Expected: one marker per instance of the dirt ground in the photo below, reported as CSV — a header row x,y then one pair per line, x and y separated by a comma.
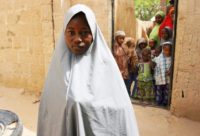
x,y
151,121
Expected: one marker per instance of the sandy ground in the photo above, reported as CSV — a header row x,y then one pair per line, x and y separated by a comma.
x,y
151,121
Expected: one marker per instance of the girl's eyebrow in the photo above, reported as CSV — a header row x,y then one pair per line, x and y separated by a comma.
x,y
86,28
70,28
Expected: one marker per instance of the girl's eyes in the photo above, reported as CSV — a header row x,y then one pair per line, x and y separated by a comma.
x,y
82,33
71,33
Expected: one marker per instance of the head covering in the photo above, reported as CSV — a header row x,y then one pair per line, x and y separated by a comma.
x,y
85,94
140,41
167,42
155,31
161,13
168,21
120,33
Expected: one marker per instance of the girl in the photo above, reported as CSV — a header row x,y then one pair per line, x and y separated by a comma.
x,y
141,44
166,35
84,93
145,90
168,21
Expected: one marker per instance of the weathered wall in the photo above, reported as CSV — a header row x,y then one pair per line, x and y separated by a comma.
x,y
125,17
26,42
186,85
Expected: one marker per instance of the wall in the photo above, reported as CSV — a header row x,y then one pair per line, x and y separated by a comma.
x,y
186,92
29,32
26,43
125,17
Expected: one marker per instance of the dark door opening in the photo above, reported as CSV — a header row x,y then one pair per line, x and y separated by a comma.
x,y
142,14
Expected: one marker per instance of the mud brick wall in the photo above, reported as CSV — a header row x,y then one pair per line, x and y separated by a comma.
x,y
26,43
186,83
125,17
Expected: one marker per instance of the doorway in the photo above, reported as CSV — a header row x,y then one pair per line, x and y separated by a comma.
x,y
145,13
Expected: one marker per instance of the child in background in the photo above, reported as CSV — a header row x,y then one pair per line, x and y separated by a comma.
x,y
145,91
166,35
162,74
168,21
133,60
152,45
158,50
141,44
160,15
120,54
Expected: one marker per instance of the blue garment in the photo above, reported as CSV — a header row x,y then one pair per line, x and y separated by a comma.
x,y
162,94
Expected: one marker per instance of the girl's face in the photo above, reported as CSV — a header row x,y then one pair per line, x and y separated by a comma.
x,y
152,44
159,19
78,36
166,50
142,45
120,39
164,34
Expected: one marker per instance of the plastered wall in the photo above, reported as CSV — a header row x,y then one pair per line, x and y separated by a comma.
x,y
186,83
124,17
29,32
26,43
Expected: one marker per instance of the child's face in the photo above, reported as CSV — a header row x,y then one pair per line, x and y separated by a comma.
x,y
166,50
158,50
130,44
146,56
152,44
159,19
78,36
164,34
142,45
120,39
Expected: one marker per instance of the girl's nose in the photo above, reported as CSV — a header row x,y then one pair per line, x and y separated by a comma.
x,y
78,39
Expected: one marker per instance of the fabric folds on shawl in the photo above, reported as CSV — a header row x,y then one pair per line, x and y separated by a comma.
x,y
85,95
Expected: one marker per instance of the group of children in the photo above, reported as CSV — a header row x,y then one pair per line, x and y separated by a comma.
x,y
147,63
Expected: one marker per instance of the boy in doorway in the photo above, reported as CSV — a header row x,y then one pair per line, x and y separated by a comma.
x,y
120,53
162,74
